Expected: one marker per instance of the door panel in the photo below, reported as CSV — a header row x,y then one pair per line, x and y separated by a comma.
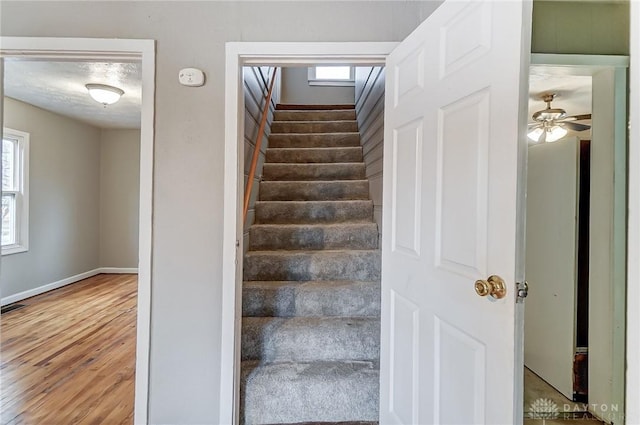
x,y
461,191
454,135
552,187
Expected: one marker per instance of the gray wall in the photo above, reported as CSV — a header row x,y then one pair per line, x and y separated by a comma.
x,y
580,27
370,112
296,90
83,196
64,202
119,198
189,153
256,87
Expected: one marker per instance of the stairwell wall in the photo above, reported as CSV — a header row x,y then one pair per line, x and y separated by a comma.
x,y
297,90
256,86
369,91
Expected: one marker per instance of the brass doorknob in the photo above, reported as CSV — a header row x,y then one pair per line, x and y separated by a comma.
x,y
493,286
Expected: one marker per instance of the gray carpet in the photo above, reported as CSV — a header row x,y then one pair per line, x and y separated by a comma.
x,y
311,296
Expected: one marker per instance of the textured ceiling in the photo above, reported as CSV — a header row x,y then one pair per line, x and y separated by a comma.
x,y
60,87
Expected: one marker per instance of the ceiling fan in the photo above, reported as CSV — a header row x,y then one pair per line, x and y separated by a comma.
x,y
551,124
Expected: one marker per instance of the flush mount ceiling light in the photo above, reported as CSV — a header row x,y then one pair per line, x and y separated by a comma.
x,y
102,93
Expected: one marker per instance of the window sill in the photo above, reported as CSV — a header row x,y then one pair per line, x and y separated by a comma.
x,y
13,249
350,83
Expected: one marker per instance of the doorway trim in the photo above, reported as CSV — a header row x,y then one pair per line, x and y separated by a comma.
x,y
56,48
632,411
239,54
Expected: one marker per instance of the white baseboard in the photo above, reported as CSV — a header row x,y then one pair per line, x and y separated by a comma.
x,y
119,270
63,282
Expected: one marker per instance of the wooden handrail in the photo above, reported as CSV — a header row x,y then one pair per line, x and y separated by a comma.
x,y
256,151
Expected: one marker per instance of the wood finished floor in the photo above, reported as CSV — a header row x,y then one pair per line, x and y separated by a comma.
x,y
68,357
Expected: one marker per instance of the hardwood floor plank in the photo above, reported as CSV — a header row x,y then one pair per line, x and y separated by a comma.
x,y
68,357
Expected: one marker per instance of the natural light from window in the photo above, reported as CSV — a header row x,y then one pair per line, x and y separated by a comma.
x,y
15,214
333,72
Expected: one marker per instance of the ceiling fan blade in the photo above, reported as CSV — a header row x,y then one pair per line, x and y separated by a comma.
x,y
575,126
577,117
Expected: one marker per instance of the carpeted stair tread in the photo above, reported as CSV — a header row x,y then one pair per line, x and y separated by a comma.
x,y
313,126
314,155
312,265
330,190
317,171
315,107
283,339
314,140
315,115
309,391
312,298
313,236
296,212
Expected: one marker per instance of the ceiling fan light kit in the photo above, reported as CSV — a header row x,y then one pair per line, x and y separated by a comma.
x,y
104,94
551,123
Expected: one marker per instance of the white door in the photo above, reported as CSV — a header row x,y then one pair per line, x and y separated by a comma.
x,y
551,262
455,148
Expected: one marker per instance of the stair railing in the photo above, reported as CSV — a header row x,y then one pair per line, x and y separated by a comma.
x,y
256,151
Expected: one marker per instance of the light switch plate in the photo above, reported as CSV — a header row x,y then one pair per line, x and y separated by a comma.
x,y
192,77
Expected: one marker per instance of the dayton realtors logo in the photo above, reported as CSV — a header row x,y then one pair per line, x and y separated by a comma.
x,y
544,409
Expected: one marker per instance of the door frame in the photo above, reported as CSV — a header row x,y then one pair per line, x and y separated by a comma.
x,y
238,55
88,49
590,65
632,411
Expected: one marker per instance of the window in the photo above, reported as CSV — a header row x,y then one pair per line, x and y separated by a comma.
x,y
15,191
331,75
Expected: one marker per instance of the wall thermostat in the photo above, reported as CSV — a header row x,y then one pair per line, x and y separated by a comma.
x,y
192,77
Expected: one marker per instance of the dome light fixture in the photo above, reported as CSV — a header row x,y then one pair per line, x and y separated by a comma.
x,y
548,133
102,93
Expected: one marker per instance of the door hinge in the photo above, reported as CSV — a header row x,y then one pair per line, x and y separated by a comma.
x,y
523,291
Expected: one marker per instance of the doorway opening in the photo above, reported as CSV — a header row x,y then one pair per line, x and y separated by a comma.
x,y
85,51
575,257
311,286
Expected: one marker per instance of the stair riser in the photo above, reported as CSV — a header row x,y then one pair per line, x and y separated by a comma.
x,y
300,172
284,299
314,155
354,236
314,191
271,339
314,140
313,126
313,212
305,394
329,265
336,115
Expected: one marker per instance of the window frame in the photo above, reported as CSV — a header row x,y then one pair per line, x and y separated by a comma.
x,y
313,81
21,194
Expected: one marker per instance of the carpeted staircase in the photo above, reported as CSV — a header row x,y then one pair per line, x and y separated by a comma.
x,y
311,296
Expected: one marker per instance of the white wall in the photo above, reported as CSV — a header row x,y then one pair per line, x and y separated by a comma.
x,y
64,199
370,112
189,154
296,90
119,198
